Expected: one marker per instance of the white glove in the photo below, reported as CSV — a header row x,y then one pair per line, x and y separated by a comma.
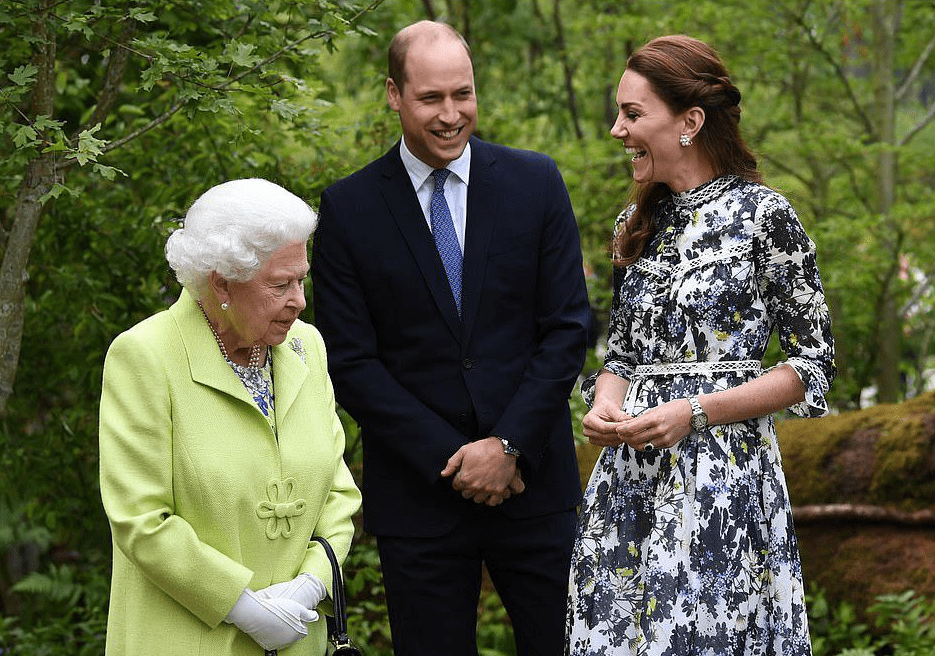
x,y
306,589
272,623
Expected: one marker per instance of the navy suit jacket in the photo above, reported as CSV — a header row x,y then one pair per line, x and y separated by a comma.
x,y
420,381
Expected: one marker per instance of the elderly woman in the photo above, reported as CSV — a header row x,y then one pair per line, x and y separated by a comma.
x,y
686,544
221,453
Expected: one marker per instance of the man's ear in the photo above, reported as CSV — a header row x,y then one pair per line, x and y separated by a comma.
x,y
393,95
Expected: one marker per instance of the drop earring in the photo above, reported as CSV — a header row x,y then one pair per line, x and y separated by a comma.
x,y
685,141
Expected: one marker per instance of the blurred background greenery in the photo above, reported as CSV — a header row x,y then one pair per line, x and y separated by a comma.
x,y
115,115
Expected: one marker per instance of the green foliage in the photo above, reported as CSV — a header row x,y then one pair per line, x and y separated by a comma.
x,y
909,623
67,614
903,625
494,631
835,628
367,618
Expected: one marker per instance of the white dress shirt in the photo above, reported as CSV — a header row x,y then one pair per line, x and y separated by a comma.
x,y
456,186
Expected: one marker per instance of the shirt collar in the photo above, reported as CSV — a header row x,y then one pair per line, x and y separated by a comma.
x,y
419,171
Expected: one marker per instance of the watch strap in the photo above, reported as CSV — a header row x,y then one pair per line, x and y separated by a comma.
x,y
699,418
696,405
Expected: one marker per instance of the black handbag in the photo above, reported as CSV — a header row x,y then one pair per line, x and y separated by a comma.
x,y
337,626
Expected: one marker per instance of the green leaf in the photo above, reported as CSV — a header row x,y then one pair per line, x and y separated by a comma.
x,y
57,146
54,192
142,15
24,75
241,54
43,122
107,172
24,136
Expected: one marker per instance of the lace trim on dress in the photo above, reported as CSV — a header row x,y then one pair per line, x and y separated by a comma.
x,y
653,268
738,250
703,193
816,386
666,273
697,368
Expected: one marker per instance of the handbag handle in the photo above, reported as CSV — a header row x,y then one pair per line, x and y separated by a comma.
x,y
339,633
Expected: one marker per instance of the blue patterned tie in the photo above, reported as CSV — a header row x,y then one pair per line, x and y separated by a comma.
x,y
446,240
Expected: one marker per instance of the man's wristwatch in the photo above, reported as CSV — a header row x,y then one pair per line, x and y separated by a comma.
x,y
508,448
699,420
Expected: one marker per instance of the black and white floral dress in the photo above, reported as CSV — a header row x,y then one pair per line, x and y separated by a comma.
x,y
691,550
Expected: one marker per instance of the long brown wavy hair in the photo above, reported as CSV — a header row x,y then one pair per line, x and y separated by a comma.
x,y
684,73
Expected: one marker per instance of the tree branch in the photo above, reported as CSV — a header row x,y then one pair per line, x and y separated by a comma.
x,y
925,120
159,120
916,295
788,170
837,512
113,78
916,68
868,126
178,104
295,44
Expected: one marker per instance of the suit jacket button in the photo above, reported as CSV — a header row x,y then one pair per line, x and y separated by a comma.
x,y
467,363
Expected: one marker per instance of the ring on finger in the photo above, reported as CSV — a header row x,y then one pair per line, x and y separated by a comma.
x,y
649,447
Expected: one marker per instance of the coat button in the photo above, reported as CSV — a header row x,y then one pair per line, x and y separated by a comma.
x,y
467,363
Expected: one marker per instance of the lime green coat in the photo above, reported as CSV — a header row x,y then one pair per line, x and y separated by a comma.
x,y
203,500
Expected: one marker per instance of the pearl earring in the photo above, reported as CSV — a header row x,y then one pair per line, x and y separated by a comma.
x,y
224,306
685,141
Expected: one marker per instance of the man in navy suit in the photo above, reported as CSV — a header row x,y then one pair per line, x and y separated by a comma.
x,y
455,314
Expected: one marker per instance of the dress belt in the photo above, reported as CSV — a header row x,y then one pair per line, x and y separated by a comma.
x,y
717,366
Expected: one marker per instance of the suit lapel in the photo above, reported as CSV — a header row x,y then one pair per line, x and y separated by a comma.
x,y
403,206
482,204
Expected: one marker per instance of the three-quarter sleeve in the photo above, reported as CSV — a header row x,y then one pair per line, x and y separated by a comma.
x,y
790,284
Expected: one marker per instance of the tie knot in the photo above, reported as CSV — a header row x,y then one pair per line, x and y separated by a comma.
x,y
440,176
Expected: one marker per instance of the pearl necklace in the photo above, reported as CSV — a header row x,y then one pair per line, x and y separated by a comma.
x,y
255,350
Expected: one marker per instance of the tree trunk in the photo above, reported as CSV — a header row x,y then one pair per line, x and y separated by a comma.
x,y
566,70
37,181
885,16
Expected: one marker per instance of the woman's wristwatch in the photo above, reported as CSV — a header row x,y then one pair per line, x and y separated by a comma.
x,y
699,420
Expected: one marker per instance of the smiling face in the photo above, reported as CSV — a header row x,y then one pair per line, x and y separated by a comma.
x,y
650,132
263,309
437,106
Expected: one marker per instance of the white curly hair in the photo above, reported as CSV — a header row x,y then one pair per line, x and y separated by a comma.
x,y
233,228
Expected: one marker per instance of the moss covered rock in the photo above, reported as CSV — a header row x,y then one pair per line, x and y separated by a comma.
x,y
884,455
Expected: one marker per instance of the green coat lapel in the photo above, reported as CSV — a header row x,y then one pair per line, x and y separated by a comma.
x,y
207,365
289,374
